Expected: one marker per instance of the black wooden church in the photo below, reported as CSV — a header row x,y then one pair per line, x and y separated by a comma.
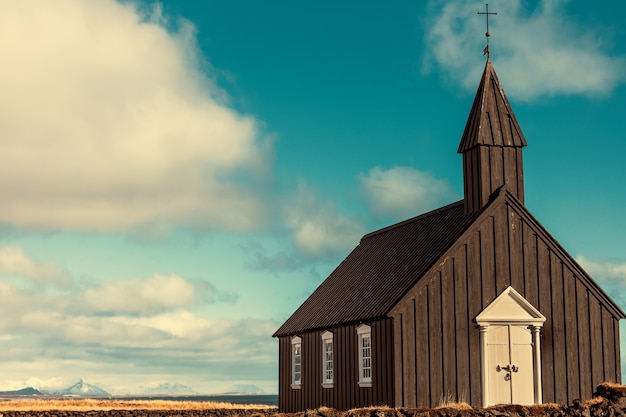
x,y
474,301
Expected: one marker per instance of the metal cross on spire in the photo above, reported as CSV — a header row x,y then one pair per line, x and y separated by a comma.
x,y
487,34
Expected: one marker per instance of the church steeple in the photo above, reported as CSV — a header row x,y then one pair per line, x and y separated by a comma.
x,y
491,145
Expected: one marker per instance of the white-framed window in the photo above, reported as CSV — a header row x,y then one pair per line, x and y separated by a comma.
x,y
296,362
327,360
364,333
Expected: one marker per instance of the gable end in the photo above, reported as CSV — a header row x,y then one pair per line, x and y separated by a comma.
x,y
505,246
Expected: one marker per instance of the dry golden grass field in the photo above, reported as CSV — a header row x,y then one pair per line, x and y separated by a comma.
x,y
107,405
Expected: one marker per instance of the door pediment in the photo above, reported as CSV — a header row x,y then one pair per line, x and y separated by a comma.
x,y
509,332
510,307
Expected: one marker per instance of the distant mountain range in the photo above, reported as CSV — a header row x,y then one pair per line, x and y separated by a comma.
x,y
81,388
243,389
167,388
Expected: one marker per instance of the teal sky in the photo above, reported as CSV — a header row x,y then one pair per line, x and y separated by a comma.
x,y
177,177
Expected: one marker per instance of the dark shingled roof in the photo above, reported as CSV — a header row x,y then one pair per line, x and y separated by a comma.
x,y
491,121
380,271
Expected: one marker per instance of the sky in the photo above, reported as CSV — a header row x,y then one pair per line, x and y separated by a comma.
x,y
177,177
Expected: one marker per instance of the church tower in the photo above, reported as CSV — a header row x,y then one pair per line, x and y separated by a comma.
x,y
491,145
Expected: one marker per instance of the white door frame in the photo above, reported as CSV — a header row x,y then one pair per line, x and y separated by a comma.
x,y
510,308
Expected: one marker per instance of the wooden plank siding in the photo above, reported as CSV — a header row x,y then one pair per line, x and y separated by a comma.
x,y
345,393
608,339
513,171
545,307
530,266
409,344
449,333
462,323
440,351
428,334
488,168
572,364
597,344
474,307
515,248
584,337
558,331
423,368
618,360
486,261
493,175
398,364
501,247
433,339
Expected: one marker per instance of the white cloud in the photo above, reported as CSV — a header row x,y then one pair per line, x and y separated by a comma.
x,y
404,192
220,337
610,275
108,123
140,296
14,262
180,324
137,313
317,229
46,337
540,51
125,353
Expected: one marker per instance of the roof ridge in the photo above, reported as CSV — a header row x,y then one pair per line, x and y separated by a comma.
x,y
412,219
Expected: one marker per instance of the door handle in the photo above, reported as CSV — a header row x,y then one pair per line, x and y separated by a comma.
x,y
508,368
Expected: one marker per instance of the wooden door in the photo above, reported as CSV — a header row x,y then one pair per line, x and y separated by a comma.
x,y
510,364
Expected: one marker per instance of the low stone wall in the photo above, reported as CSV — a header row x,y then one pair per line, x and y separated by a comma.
x,y
609,401
599,409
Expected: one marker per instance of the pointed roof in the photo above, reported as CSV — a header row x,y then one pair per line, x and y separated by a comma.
x,y
491,121
379,271
373,279
510,307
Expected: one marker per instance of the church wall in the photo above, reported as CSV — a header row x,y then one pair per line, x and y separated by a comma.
x,y
436,338
487,168
580,349
345,393
438,341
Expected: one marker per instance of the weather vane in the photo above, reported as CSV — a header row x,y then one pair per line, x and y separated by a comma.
x,y
487,34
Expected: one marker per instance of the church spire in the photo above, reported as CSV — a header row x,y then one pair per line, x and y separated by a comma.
x,y
491,145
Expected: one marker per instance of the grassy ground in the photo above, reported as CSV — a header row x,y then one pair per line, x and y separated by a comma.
x,y
105,405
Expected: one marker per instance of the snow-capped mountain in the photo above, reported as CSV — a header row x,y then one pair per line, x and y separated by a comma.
x,y
83,389
167,388
245,389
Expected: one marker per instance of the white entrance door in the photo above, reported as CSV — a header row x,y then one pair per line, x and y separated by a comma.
x,y
510,364
510,350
